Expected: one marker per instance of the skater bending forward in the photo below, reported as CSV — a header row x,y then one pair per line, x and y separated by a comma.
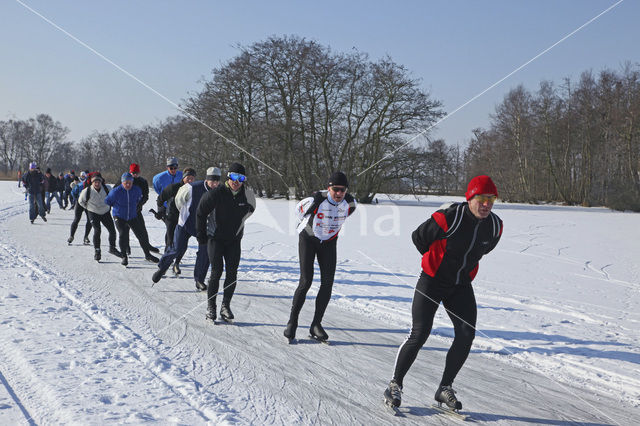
x,y
320,220
452,242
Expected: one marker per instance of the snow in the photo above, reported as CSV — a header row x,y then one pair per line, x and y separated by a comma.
x,y
558,338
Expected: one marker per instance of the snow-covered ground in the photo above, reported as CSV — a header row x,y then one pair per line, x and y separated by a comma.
x,y
558,338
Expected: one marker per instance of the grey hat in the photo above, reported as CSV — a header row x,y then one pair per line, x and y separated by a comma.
x,y
172,161
213,173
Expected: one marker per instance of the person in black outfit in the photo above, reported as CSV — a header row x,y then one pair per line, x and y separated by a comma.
x,y
167,197
320,219
452,242
34,184
220,221
141,183
60,190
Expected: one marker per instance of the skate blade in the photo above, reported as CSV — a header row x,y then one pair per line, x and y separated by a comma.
x,y
326,342
450,412
392,408
227,320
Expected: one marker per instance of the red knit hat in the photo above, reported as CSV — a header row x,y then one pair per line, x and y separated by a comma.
x,y
134,168
481,185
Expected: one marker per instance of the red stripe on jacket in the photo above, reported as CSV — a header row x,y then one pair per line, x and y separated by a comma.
x,y
432,259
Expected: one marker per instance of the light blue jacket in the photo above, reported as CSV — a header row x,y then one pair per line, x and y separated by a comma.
x,y
164,179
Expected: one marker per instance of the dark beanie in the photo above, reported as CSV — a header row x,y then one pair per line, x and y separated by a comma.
x,y
338,178
48,170
237,168
481,185
188,172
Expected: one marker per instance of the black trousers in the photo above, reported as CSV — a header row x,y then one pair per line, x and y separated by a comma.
x,y
123,227
223,255
460,303
308,249
142,226
77,211
170,235
105,219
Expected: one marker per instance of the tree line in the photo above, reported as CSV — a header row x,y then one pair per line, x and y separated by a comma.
x,y
576,143
293,111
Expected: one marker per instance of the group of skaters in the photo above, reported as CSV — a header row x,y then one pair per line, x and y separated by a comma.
x,y
452,242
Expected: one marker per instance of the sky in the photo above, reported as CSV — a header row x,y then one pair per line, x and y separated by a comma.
x,y
557,340
457,49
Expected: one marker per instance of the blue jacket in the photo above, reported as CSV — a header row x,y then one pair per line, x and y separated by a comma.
x,y
77,189
124,203
164,179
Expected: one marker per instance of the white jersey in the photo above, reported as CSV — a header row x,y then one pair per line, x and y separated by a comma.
x,y
328,218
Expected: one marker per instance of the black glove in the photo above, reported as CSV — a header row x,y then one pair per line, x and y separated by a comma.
x,y
159,214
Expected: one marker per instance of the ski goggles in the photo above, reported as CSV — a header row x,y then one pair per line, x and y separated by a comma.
x,y
484,198
237,177
339,189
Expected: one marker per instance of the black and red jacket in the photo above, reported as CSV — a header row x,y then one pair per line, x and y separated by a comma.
x,y
452,242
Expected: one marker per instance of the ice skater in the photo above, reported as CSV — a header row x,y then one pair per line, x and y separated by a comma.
x,y
452,242
320,219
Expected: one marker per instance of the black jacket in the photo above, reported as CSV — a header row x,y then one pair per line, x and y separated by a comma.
x,y
142,183
452,242
33,181
221,215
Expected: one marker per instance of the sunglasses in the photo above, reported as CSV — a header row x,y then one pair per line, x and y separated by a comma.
x,y
485,198
339,189
237,177
172,167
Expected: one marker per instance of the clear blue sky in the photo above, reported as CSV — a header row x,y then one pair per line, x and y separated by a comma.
x,y
456,48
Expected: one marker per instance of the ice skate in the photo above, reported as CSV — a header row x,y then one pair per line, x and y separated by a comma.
x,y
446,395
317,332
290,331
393,394
211,313
226,314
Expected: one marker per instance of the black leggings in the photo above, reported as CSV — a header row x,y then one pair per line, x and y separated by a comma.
x,y
77,211
308,249
123,234
96,219
223,255
460,303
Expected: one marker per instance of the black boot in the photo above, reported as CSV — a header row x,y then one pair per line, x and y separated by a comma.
x,y
211,312
318,333
201,286
176,268
151,258
290,330
125,260
97,255
114,251
393,394
225,312
446,395
157,275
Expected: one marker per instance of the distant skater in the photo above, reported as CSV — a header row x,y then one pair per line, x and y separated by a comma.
x,y
452,242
